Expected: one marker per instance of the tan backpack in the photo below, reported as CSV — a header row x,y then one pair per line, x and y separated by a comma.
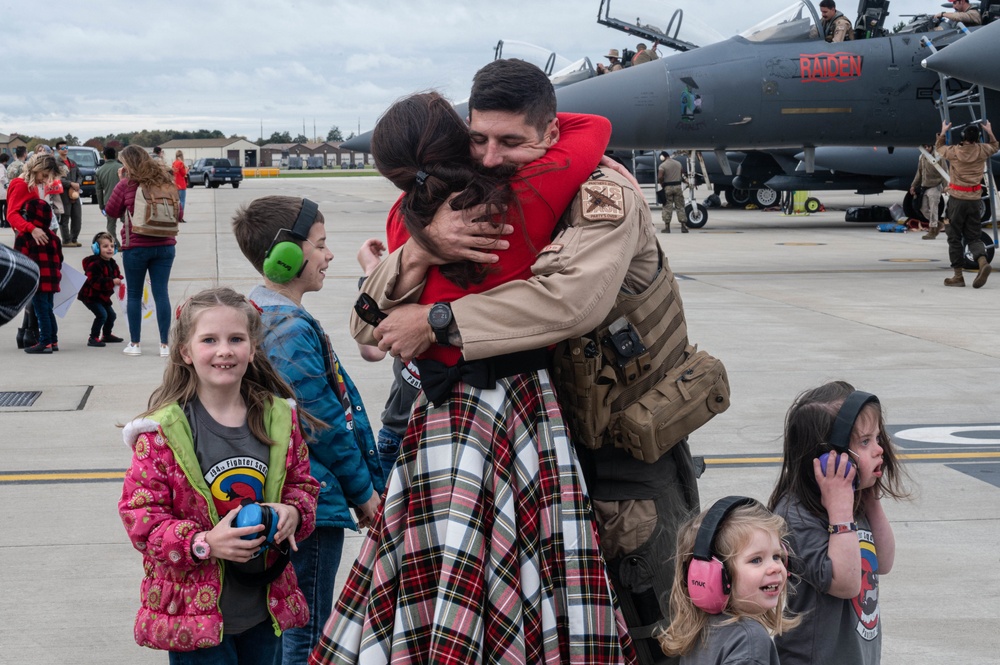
x,y
156,212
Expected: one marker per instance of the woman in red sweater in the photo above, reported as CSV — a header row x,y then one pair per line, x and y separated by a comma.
x,y
485,546
31,218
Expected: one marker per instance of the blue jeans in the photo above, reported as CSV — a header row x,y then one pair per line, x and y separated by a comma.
x,y
316,565
47,327
388,451
182,195
157,261
104,318
257,646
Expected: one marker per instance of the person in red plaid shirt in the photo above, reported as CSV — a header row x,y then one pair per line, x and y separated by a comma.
x,y
103,276
31,217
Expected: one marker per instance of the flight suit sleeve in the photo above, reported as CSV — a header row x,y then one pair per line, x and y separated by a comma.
x,y
576,279
379,284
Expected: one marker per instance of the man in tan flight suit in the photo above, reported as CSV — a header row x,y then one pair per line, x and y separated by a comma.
x,y
932,182
967,162
614,64
963,13
836,27
668,176
608,244
643,54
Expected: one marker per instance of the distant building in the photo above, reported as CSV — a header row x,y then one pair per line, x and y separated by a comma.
x,y
296,155
10,143
239,151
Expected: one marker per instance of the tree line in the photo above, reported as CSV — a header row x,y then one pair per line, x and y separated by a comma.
x,y
149,138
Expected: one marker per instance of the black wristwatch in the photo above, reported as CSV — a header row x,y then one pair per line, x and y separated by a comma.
x,y
440,319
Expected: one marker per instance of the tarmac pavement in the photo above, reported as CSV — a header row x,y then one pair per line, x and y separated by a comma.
x,y
786,302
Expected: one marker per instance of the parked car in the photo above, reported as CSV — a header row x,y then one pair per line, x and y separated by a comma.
x,y
214,171
87,159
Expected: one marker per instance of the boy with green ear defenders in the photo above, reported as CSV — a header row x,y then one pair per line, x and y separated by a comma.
x,y
285,240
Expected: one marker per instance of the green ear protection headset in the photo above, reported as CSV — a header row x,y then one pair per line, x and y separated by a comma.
x,y
284,260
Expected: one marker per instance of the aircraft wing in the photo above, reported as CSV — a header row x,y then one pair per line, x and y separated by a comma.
x,y
972,58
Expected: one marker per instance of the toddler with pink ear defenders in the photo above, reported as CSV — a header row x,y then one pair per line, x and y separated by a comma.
x,y
729,588
838,465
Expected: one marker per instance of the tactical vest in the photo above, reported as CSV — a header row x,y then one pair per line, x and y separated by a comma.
x,y
635,382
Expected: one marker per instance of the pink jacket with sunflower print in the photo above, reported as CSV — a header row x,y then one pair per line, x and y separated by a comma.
x,y
165,502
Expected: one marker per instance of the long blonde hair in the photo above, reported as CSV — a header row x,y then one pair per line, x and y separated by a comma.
x,y
40,164
261,383
688,623
142,168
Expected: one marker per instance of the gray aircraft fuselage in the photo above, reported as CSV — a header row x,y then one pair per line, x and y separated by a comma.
x,y
741,95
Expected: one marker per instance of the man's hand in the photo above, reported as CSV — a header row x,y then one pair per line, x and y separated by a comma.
x,y
463,235
608,163
370,254
945,126
988,127
405,333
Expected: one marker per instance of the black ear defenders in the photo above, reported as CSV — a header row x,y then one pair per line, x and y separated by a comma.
x,y
840,432
285,260
708,581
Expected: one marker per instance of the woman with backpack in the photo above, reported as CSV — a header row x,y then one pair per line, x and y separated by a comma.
x,y
145,249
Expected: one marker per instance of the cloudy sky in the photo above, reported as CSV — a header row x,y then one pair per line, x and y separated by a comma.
x,y
99,67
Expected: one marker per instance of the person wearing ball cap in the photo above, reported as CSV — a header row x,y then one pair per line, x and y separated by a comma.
x,y
838,465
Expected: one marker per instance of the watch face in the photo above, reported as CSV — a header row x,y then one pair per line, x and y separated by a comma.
x,y
200,549
439,316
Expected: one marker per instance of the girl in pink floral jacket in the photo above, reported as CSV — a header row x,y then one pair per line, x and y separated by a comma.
x,y
221,433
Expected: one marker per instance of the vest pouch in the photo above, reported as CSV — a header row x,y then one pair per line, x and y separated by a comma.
x,y
686,398
584,383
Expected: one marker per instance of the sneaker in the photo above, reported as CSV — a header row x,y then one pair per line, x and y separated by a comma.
x,y
108,338
55,346
72,244
132,350
39,348
93,341
164,351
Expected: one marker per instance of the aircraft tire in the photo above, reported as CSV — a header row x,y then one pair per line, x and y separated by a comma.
x,y
812,204
697,215
911,208
987,239
765,197
737,198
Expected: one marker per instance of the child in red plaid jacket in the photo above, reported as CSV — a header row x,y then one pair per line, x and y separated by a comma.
x,y
103,276
49,258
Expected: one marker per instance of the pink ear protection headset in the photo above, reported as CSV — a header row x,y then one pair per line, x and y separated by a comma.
x,y
708,581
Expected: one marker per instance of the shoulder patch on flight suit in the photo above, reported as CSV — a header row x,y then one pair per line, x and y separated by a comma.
x,y
551,248
602,200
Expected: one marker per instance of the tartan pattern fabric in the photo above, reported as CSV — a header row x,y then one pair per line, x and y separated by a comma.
x,y
484,550
49,256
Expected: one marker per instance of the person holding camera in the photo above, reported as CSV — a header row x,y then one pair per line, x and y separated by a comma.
x,y
218,491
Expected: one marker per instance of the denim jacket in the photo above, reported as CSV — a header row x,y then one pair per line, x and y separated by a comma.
x,y
343,457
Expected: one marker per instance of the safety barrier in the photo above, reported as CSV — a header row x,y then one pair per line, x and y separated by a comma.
x,y
265,172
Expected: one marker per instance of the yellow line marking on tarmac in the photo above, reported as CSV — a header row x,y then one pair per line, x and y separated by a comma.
x,y
43,476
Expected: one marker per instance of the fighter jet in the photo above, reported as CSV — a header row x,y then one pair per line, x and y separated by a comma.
x,y
972,58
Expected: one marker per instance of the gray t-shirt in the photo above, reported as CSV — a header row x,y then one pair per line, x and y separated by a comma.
x,y
833,630
234,463
743,642
402,394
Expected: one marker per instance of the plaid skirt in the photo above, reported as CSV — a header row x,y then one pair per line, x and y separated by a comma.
x,y
484,550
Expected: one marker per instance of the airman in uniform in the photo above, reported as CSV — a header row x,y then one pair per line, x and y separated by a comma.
x,y
963,13
668,176
613,66
836,27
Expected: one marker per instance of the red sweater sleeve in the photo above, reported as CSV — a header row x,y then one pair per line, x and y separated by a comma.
x,y
18,194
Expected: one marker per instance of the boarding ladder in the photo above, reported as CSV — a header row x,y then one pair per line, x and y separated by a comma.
x,y
971,100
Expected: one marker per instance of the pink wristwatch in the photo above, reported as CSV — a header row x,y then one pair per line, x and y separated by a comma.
x,y
200,548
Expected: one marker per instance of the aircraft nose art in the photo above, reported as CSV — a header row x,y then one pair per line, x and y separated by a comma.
x,y
634,100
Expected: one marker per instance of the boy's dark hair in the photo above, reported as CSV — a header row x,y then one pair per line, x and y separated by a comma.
x,y
59,143
4,158
256,224
971,134
514,86
110,153
21,151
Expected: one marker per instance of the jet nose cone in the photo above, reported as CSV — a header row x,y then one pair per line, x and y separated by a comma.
x,y
360,143
635,100
971,58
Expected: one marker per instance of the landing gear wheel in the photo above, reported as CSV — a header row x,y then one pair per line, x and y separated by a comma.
x,y
987,239
813,205
697,215
737,198
911,208
765,197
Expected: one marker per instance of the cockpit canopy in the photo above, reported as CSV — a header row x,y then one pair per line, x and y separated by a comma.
x,y
797,22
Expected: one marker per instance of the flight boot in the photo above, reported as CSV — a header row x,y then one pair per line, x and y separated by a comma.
x,y
957,280
666,227
932,233
684,227
984,272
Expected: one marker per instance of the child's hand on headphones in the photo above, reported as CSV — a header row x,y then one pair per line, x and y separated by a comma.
x,y
227,541
288,524
836,488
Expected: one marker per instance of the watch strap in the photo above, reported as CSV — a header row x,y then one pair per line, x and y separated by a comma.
x,y
843,527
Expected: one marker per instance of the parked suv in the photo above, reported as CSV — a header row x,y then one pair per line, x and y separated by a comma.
x,y
87,159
